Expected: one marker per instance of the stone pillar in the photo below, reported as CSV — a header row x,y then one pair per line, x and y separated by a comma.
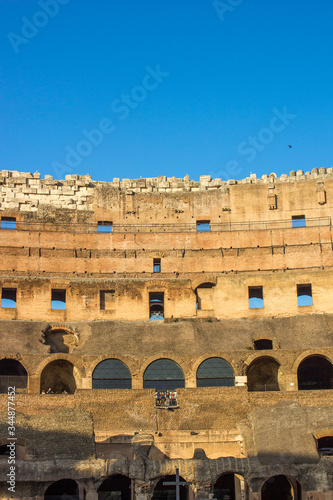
x,y
202,491
91,493
34,384
290,382
142,490
240,493
240,381
319,495
137,382
86,383
82,491
254,496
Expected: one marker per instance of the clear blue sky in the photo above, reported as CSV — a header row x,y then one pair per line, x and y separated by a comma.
x,y
175,87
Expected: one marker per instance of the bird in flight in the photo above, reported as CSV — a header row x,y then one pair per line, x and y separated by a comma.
x,y
289,146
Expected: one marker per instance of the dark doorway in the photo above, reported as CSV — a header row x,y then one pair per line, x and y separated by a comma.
x,y
325,446
65,489
224,488
117,487
12,373
315,372
278,488
263,344
262,374
168,492
58,375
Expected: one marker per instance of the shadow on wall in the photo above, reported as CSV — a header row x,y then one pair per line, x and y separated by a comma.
x,y
54,435
120,448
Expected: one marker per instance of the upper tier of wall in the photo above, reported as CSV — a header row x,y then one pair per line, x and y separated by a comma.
x,y
25,191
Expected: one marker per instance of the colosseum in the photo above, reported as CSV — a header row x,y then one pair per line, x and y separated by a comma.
x,y
166,338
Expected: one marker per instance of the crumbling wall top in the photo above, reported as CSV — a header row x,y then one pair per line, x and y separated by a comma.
x,y
25,191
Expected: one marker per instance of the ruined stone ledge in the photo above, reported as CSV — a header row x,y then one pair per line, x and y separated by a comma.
x,y
161,183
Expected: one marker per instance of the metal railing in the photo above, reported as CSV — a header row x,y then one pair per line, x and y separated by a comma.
x,y
168,228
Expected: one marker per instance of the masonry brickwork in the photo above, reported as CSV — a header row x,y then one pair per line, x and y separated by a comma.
x,y
167,269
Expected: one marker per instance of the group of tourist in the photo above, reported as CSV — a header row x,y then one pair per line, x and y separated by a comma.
x,y
50,391
166,398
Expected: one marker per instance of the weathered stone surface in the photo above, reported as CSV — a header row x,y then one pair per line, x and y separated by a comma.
x,y
260,422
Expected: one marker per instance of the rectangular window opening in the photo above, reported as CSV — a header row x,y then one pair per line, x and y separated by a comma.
x,y
104,226
156,306
298,221
8,298
156,265
256,297
107,298
304,295
58,299
203,226
263,344
8,223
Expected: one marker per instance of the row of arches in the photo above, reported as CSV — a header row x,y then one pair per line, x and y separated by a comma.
x,y
314,373
229,486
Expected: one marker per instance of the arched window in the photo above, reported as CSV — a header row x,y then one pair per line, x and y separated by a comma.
x,y
325,446
163,374
59,377
168,491
111,374
22,452
12,373
315,372
215,372
205,296
263,344
262,374
280,488
116,487
65,488
227,485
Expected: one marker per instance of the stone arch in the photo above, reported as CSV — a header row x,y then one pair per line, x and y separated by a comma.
x,y
263,343
22,451
203,279
214,354
161,490
111,373
157,284
229,485
306,354
323,432
164,355
205,296
262,374
79,371
215,372
325,444
163,374
59,375
280,487
12,373
63,487
128,362
315,372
